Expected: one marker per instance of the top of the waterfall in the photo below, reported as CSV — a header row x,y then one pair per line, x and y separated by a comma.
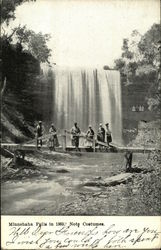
x,y
75,68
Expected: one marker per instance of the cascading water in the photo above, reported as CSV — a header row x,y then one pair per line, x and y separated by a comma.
x,y
86,96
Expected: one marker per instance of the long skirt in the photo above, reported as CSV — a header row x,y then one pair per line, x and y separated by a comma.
x,y
89,142
109,139
75,141
53,141
101,137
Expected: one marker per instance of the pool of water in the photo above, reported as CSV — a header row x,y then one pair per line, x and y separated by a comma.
x,y
60,181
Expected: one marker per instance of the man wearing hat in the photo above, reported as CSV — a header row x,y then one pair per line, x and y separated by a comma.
x,y
108,134
101,133
75,133
39,134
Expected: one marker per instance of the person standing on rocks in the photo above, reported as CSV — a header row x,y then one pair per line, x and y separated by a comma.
x,y
128,158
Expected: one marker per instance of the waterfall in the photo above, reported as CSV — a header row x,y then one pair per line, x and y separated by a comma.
x,y
86,96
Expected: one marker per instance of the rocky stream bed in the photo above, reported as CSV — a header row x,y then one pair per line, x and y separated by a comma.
x,y
52,183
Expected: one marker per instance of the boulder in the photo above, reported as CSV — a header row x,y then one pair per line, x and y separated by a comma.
x,y
110,181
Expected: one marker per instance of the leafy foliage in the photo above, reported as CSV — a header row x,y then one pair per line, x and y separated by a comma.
x,y
22,52
126,52
34,43
25,39
8,9
120,65
148,45
141,53
140,62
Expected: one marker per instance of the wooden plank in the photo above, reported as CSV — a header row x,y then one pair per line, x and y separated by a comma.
x,y
7,152
30,147
102,143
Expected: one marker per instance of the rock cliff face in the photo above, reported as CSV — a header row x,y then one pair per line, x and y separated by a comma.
x,y
149,134
14,128
20,70
135,96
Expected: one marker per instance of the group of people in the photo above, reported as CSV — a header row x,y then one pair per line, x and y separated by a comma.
x,y
103,135
53,139
137,108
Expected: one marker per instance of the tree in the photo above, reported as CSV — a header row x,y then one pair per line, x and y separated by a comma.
x,y
20,41
120,64
140,62
8,9
22,52
35,43
126,52
148,45
20,38
141,53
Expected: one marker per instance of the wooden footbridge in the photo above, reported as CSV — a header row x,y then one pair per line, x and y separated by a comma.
x,y
20,150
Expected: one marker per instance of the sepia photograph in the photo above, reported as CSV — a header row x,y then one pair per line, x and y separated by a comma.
x,y
80,108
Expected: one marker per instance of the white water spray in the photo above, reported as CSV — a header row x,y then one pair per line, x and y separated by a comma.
x,y
87,96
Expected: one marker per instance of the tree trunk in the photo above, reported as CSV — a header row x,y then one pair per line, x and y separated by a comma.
x,y
3,87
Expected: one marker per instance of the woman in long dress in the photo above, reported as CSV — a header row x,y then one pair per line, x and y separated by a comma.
x,y
53,139
89,136
101,133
